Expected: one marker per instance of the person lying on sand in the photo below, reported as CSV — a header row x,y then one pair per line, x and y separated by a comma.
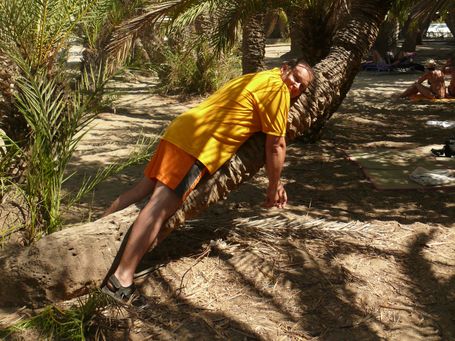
x,y
435,79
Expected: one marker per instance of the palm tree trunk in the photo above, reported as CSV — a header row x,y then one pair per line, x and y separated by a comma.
x,y
414,26
295,32
11,121
387,36
70,262
450,20
253,44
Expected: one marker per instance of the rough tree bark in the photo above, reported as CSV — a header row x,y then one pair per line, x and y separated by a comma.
x,y
73,261
450,20
253,44
313,28
418,21
387,37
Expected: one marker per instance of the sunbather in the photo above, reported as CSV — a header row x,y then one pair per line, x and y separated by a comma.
x,y
435,79
402,61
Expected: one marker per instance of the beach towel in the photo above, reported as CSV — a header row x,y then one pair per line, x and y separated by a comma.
x,y
391,168
433,177
421,98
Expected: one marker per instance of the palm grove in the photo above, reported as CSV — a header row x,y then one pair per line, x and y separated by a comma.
x,y
46,104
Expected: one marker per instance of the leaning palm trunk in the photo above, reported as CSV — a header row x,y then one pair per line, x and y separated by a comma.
x,y
68,263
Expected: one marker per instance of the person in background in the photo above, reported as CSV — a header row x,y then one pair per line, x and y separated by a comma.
x,y
436,84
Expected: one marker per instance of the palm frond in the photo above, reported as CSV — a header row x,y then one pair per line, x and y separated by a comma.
x,y
102,18
232,14
227,30
424,7
122,37
40,31
185,15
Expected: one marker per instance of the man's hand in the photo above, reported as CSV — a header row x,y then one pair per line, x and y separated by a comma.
x,y
275,152
276,196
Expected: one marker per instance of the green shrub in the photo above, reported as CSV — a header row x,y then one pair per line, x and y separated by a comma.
x,y
81,321
186,64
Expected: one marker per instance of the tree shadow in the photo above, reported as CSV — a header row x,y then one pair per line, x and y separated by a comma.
x,y
324,302
435,295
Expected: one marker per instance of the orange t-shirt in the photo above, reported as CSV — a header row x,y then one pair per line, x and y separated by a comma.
x,y
214,130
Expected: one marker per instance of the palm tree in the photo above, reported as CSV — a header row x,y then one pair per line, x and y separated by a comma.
x,y
253,44
388,35
450,20
40,110
333,78
419,19
228,17
312,25
276,24
11,121
339,59
32,40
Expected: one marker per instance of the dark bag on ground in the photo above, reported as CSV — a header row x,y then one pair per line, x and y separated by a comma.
x,y
448,150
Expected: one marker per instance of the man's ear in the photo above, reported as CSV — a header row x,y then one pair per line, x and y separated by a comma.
x,y
284,67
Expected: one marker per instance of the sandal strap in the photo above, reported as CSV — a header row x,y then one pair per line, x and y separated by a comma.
x,y
118,290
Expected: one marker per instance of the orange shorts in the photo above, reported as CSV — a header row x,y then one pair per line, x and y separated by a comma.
x,y
175,168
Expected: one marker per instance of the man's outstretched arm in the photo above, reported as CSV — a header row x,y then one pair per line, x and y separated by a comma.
x,y
275,153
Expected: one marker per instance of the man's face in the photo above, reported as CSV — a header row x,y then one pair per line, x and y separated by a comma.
x,y
296,79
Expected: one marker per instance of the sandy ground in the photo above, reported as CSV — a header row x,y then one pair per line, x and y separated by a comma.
x,y
343,261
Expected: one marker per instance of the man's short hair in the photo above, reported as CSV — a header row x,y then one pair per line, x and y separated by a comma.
x,y
300,61
430,64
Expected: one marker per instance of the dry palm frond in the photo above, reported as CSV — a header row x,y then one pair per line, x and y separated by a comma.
x,y
181,13
422,8
122,39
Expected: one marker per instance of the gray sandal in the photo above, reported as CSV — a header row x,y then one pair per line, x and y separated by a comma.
x,y
128,295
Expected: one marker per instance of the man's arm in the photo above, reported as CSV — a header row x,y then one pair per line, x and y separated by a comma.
x,y
424,77
275,153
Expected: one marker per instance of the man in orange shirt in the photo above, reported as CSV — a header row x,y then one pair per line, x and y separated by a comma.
x,y
200,141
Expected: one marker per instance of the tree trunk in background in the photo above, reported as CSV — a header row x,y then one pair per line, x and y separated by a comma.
x,y
450,21
276,24
313,28
295,33
253,44
316,37
12,122
387,37
412,29
424,28
410,38
70,262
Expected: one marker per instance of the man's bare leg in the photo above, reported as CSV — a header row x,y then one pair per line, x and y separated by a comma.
x,y
138,192
163,203
412,90
425,91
